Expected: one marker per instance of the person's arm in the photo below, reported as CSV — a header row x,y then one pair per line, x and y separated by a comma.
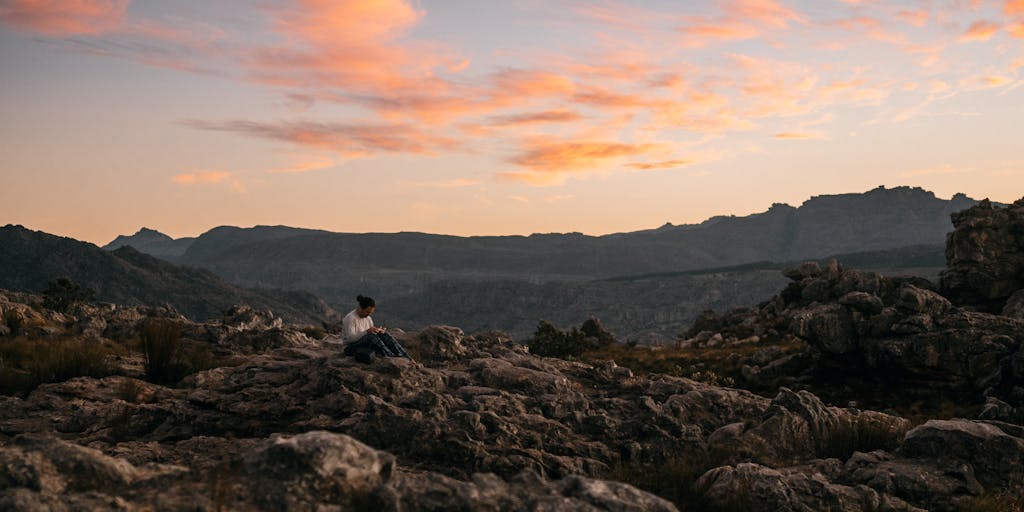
x,y
350,331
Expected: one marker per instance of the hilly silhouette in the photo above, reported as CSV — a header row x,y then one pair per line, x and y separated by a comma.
x,y
337,265
29,260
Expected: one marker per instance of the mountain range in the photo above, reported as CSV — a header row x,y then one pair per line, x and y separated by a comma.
x,y
29,260
336,264
645,284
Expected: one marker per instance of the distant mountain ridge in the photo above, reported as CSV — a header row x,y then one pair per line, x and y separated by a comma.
x,y
31,259
339,265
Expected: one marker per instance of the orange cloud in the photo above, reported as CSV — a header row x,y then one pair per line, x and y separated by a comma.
x,y
348,139
997,80
569,156
606,98
768,12
549,116
1013,7
356,52
310,165
1017,30
726,30
518,83
202,177
63,17
980,30
801,136
664,164
937,86
916,18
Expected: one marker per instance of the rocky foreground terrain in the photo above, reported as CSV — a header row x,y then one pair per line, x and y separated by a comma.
x,y
272,417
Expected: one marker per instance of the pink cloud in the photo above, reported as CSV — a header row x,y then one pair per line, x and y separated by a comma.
x,y
63,17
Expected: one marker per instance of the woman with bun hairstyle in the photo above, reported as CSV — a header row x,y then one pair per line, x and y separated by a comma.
x,y
362,338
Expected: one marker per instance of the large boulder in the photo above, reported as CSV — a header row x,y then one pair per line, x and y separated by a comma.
x,y
315,468
985,256
997,458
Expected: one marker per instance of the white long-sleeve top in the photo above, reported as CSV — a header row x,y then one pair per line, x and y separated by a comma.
x,y
354,326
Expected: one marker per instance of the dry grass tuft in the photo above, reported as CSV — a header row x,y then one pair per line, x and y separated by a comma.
x,y
27,363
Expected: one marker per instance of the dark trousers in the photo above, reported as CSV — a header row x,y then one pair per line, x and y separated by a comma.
x,y
382,344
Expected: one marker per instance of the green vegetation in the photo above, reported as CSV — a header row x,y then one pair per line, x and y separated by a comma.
x,y
63,293
1007,500
13,321
25,363
864,435
550,341
167,358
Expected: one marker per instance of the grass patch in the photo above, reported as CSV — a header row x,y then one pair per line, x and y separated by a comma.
x,y
866,434
13,321
717,366
674,479
27,363
168,358
314,332
161,344
1009,500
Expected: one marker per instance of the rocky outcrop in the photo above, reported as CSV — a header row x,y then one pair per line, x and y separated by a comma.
x,y
314,470
985,256
941,465
868,327
482,424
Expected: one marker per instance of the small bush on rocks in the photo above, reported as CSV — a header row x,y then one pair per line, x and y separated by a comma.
x,y
26,363
673,478
63,293
167,358
12,319
161,342
550,341
863,435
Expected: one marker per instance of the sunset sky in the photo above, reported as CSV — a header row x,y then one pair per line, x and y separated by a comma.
x,y
478,117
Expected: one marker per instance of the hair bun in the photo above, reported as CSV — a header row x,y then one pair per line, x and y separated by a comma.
x,y
360,298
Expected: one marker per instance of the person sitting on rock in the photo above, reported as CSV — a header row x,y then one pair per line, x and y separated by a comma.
x,y
362,339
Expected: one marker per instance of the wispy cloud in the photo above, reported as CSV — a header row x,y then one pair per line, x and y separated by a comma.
x,y
348,139
980,30
801,136
663,164
447,184
63,17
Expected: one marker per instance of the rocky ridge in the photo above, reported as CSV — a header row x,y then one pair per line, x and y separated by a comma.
x,y
477,422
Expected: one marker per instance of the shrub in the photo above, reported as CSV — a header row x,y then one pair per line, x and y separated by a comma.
x,y
1009,500
25,364
63,293
130,391
673,478
862,435
315,332
550,341
167,358
13,321
161,344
